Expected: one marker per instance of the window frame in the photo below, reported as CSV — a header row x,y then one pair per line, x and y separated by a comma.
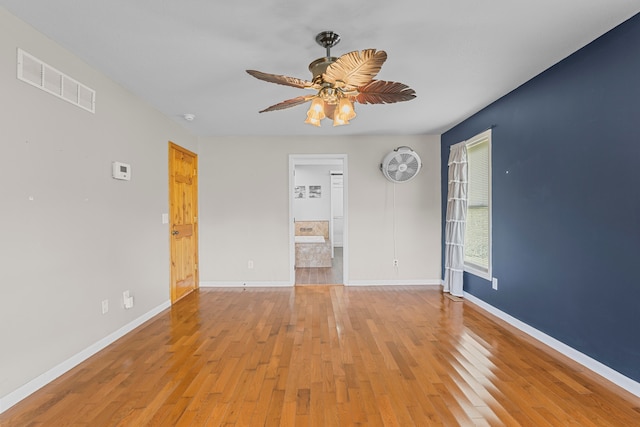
x,y
470,267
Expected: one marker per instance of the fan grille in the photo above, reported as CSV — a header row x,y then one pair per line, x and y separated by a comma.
x,y
401,165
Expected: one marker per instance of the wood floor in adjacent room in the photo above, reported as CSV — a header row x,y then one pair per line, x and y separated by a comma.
x,y
326,356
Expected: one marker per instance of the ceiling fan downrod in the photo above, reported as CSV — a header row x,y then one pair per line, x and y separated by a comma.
x,y
328,39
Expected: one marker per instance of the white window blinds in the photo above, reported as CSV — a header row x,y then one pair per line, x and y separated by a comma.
x,y
478,228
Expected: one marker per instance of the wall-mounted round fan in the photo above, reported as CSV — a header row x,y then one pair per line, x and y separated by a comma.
x,y
401,165
339,83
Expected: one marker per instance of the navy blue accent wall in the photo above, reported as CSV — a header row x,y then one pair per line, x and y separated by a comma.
x,y
566,200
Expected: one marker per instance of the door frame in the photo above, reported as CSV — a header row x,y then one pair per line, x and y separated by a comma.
x,y
319,159
332,231
172,273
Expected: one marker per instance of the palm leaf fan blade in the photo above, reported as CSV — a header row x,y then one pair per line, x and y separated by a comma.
x,y
288,103
384,92
355,69
281,80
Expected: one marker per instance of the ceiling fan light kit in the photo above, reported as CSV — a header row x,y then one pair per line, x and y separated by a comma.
x,y
339,83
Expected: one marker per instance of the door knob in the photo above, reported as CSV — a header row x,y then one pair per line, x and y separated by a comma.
x,y
174,232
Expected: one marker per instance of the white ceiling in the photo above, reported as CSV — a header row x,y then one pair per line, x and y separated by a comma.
x,y
189,56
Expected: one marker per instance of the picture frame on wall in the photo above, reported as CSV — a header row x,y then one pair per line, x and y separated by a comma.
x,y
300,192
315,191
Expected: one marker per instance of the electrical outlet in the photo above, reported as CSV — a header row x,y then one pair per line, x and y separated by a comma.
x,y
127,300
250,264
105,306
395,262
494,283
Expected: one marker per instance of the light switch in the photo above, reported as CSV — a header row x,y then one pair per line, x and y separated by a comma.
x,y
165,218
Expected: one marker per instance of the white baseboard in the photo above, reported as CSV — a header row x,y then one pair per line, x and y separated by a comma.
x,y
17,395
259,284
232,284
421,282
599,368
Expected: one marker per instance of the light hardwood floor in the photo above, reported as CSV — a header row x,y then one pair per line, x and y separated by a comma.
x,y
326,356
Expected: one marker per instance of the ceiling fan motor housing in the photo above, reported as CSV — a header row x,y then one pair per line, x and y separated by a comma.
x,y
401,165
320,65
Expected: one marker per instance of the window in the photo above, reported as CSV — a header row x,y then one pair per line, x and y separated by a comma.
x,y
477,244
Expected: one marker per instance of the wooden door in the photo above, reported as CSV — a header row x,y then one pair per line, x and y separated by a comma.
x,y
183,213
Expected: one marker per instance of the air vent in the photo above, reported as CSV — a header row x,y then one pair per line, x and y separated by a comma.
x,y
35,72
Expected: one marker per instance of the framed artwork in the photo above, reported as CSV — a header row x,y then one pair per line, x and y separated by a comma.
x,y
300,192
315,191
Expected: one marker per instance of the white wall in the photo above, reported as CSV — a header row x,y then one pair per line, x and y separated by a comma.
x,y
84,237
308,208
244,212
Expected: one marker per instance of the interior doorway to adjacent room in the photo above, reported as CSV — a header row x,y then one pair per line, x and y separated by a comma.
x,y
318,218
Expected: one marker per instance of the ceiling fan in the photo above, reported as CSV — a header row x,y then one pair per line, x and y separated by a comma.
x,y
339,83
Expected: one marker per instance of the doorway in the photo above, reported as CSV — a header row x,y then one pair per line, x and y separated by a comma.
x,y
183,226
318,198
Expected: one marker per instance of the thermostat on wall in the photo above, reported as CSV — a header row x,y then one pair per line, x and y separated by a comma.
x,y
121,171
